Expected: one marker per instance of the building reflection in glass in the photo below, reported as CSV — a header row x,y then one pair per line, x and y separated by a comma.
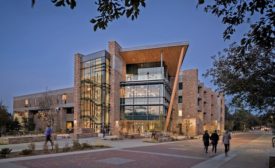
x,y
95,91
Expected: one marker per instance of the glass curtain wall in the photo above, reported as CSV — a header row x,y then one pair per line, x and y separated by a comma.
x,y
95,93
145,94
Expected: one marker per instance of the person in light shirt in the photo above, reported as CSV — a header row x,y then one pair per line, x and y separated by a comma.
x,y
226,141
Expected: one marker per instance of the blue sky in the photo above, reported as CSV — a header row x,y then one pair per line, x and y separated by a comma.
x,y
37,45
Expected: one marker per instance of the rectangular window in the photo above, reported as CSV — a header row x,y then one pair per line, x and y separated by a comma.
x,y
180,99
180,86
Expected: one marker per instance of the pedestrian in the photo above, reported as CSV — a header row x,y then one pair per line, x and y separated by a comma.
x,y
226,141
214,140
104,131
48,134
205,139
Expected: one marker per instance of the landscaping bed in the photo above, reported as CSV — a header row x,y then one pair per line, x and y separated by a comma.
x,y
30,151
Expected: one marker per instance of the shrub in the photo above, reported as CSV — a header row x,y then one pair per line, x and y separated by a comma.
x,y
99,145
66,147
76,145
86,146
5,151
45,149
31,146
56,147
26,152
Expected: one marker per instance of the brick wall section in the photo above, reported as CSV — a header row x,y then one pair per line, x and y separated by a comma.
x,y
190,93
190,100
77,78
213,111
207,108
117,75
221,111
200,108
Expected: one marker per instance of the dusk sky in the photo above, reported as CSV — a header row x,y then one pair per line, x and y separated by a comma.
x,y
37,45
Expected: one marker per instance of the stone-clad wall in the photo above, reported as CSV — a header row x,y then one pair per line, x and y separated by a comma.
x,y
23,139
77,77
117,74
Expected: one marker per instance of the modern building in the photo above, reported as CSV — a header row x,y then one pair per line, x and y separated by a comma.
x,y
55,107
131,90
200,108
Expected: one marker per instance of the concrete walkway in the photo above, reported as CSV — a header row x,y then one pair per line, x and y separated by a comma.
x,y
247,151
253,154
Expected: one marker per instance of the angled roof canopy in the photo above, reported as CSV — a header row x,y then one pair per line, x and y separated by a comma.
x,y
170,54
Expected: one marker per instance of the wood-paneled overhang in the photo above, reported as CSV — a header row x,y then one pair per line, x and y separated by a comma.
x,y
170,54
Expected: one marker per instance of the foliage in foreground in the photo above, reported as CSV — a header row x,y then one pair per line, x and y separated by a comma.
x,y
5,151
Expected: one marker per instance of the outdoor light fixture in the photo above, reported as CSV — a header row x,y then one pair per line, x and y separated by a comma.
x,y
180,113
26,102
64,98
117,123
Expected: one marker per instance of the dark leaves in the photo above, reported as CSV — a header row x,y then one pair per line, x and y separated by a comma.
x,y
248,74
111,10
237,12
58,3
33,2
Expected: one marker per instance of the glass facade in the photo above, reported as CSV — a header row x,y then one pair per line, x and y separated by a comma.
x,y
145,71
145,94
95,92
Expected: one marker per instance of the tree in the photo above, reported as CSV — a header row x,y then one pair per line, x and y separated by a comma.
x,y
4,118
237,12
15,125
240,119
249,77
28,124
246,69
109,10
228,119
47,110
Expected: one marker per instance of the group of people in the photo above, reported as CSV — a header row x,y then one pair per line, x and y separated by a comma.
x,y
214,138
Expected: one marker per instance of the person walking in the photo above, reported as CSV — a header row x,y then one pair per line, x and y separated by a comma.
x,y
205,139
48,134
214,140
226,141
104,131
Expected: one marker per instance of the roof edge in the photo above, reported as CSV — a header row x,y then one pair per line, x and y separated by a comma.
x,y
155,46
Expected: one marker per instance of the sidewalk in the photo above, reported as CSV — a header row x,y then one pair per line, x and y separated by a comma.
x,y
254,154
246,151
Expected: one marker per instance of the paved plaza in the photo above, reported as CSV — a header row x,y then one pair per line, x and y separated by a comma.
x,y
247,150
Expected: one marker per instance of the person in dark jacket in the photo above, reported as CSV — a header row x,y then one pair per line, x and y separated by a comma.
x,y
214,140
205,139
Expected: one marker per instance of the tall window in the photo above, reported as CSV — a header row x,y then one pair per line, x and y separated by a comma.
x,y
180,86
95,90
180,99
